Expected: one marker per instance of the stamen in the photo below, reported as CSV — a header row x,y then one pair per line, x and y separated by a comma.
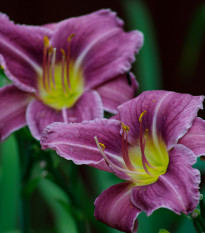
x,y
53,67
145,162
102,146
125,153
125,127
50,51
71,37
110,162
141,115
68,60
45,49
46,41
62,73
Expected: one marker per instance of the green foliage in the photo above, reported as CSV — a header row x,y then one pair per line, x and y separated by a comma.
x,y
148,65
163,231
53,195
9,184
3,79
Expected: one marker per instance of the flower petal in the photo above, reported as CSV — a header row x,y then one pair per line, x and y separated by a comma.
x,y
39,115
13,105
100,46
194,139
177,189
168,114
21,48
76,141
114,208
117,91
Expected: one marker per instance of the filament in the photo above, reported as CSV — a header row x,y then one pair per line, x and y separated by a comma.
x,y
110,162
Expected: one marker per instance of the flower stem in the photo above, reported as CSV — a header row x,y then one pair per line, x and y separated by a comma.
x,y
197,226
25,163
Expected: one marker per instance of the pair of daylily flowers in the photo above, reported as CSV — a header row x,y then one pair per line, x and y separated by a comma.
x,y
72,71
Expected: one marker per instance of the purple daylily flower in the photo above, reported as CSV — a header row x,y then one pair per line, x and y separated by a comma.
x,y
67,72
151,143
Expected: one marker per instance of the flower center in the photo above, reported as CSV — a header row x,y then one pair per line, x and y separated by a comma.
x,y
145,161
61,85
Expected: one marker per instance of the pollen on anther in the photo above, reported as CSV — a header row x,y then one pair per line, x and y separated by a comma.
x,y
102,146
46,41
70,37
141,115
125,127
50,50
63,52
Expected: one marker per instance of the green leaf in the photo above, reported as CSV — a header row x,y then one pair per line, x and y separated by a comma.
x,y
148,65
10,184
52,194
12,231
160,219
3,79
163,231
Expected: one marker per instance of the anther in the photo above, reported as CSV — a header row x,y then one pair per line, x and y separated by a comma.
x,y
125,153
71,37
46,41
108,161
125,127
63,53
2,67
102,146
141,115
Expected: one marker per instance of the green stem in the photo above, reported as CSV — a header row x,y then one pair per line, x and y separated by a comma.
x,y
197,227
25,221
202,208
201,222
25,163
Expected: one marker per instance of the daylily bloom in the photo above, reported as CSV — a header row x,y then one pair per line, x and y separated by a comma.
x,y
152,144
67,72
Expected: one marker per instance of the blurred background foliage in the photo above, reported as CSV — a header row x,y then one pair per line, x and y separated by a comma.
x,y
43,193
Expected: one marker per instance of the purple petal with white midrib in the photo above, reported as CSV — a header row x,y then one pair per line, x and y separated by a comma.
x,y
177,189
114,208
21,48
76,141
13,106
168,115
94,34
117,91
194,139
